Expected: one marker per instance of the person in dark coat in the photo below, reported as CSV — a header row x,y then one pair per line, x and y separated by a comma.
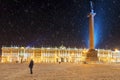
x,y
31,66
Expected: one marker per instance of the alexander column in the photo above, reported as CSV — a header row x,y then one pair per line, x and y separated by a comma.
x,y
92,53
91,27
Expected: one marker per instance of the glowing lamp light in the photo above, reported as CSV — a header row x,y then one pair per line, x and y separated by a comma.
x,y
116,50
22,47
85,51
31,57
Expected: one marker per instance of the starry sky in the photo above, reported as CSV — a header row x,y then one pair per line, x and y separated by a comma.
x,y
52,23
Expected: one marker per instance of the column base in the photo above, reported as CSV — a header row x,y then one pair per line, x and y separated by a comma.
x,y
91,56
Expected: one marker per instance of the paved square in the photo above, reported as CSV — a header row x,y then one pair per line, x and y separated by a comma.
x,y
63,71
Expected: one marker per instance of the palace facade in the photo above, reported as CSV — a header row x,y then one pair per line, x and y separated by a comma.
x,y
54,55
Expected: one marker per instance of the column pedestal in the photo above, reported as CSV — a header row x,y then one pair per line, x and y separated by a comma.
x,y
91,56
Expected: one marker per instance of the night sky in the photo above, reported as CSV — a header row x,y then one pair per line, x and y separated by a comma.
x,y
52,23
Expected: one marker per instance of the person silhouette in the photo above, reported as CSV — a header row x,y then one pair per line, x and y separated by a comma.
x,y
31,66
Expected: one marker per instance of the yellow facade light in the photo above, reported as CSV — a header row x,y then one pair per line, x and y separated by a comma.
x,y
116,50
22,47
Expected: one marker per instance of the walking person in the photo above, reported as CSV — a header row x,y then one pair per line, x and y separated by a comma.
x,y
31,66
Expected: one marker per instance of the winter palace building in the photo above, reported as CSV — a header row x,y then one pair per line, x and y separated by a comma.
x,y
54,55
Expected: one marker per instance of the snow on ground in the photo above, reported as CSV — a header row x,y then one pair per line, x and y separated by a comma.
x,y
63,71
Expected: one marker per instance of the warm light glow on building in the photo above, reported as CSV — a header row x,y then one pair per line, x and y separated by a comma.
x,y
54,55
116,50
